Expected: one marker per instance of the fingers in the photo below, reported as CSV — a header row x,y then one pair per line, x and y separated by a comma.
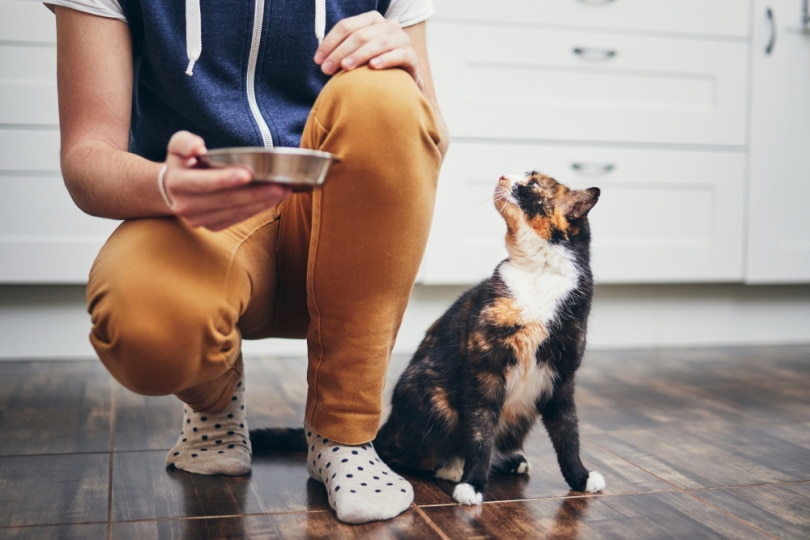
x,y
213,198
366,39
225,209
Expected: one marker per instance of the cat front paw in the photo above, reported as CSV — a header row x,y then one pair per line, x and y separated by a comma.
x,y
596,482
466,494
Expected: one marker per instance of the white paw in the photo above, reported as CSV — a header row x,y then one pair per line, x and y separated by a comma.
x,y
466,494
523,468
596,482
452,471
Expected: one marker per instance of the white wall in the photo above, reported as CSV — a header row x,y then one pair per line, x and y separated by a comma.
x,y
38,223
50,321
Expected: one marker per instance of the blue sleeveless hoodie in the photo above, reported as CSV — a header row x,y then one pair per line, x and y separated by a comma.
x,y
254,82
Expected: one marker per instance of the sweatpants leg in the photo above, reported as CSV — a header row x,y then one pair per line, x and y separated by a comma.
x,y
169,303
369,227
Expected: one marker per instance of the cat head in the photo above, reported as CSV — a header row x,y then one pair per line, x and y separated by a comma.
x,y
537,205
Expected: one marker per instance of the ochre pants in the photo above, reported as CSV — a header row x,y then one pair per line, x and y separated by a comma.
x,y
170,304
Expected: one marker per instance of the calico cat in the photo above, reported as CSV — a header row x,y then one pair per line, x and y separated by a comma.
x,y
505,352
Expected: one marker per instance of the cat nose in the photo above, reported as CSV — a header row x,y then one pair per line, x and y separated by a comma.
x,y
506,180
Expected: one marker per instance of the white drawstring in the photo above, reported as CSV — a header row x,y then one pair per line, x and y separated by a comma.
x,y
320,19
193,34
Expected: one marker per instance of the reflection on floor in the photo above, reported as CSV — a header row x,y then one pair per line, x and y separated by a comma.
x,y
693,443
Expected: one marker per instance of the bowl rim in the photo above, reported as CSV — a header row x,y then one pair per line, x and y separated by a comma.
x,y
276,150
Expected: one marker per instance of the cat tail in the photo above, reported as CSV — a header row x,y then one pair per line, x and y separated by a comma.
x,y
266,440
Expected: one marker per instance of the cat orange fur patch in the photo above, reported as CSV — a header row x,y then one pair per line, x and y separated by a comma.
x,y
442,406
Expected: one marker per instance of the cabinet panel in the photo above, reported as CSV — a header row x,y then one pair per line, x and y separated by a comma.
x,y
664,215
779,224
703,17
44,237
522,83
28,85
26,21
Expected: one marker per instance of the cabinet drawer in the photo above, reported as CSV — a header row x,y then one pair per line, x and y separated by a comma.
x,y
663,216
519,83
726,18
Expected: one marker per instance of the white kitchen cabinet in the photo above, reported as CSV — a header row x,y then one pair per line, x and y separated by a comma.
x,y
716,18
646,99
519,82
779,219
664,215
44,237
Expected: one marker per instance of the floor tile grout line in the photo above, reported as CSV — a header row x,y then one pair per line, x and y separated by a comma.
x,y
219,516
420,512
113,414
730,514
636,465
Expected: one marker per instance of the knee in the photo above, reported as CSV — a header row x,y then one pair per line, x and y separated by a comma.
x,y
387,101
153,347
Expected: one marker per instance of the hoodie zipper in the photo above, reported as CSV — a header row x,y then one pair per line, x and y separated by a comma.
x,y
253,59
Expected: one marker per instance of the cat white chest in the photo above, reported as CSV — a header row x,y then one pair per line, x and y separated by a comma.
x,y
539,290
525,384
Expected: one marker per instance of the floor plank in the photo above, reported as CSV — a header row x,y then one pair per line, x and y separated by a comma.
x,y
693,443
657,515
54,407
54,489
783,509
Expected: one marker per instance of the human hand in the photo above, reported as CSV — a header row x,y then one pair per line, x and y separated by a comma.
x,y
367,39
213,198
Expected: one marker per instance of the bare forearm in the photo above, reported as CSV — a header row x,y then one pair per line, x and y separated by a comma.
x,y
107,182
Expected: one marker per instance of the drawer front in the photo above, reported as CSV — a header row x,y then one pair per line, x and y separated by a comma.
x,y
663,216
722,18
520,83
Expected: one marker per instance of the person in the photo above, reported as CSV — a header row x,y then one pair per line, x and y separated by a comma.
x,y
205,258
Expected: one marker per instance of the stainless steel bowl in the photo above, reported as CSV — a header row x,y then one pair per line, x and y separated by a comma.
x,y
301,168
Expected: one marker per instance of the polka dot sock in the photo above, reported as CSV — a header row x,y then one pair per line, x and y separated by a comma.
x,y
215,443
360,487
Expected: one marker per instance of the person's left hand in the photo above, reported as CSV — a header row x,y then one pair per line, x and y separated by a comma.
x,y
367,39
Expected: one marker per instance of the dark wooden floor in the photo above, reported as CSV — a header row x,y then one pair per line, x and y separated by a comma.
x,y
709,443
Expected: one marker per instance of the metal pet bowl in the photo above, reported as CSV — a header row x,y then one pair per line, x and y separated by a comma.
x,y
298,167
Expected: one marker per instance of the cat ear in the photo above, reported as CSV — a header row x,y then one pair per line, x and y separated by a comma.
x,y
578,203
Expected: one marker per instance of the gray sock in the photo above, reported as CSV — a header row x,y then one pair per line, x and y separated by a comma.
x,y
360,487
216,443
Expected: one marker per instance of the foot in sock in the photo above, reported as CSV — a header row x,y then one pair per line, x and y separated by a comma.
x,y
360,487
214,443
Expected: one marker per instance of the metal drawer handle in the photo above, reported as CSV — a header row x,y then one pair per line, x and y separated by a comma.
x,y
597,1
593,168
595,53
772,41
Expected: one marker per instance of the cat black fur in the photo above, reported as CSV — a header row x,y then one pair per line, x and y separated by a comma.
x,y
455,402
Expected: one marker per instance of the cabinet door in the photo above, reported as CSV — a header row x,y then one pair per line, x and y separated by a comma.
x,y
721,18
663,216
523,82
44,237
779,219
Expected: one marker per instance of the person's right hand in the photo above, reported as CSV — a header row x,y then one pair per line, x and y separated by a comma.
x,y
213,198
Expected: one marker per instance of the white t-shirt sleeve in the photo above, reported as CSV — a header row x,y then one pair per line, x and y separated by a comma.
x,y
409,12
102,8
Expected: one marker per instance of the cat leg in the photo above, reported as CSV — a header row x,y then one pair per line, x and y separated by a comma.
x,y
560,420
475,479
